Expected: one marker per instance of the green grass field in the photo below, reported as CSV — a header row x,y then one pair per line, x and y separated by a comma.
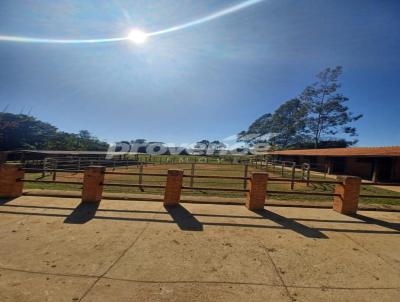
x,y
210,169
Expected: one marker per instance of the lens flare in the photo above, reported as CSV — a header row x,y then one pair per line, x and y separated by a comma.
x,y
136,36
216,15
59,41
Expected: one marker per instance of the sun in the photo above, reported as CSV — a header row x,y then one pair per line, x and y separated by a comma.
x,y
137,36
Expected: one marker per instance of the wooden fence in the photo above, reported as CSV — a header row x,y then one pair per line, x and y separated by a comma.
x,y
6,177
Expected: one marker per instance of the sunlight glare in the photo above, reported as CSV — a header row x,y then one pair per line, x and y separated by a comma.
x,y
137,36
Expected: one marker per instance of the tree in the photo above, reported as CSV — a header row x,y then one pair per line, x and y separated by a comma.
x,y
203,144
314,118
257,130
217,145
286,126
20,131
327,113
86,141
323,144
84,134
215,148
262,125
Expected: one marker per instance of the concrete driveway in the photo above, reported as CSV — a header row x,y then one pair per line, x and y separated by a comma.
x,y
56,249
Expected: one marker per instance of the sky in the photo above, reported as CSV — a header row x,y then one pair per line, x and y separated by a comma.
x,y
211,80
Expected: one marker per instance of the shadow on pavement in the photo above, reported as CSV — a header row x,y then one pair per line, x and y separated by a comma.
x,y
382,223
83,213
291,224
184,219
5,200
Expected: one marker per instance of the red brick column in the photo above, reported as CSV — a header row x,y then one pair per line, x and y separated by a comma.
x,y
173,188
258,191
93,183
10,186
349,191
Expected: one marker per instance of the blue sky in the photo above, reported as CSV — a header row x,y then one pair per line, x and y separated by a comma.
x,y
207,81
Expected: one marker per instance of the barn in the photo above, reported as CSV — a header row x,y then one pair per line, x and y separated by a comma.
x,y
378,164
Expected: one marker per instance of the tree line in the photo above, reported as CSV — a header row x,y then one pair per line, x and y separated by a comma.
x,y
314,119
25,132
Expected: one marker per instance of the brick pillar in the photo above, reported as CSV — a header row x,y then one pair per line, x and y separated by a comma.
x,y
258,191
173,188
349,191
10,186
93,183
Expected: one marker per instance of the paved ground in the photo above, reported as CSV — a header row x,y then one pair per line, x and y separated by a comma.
x,y
55,249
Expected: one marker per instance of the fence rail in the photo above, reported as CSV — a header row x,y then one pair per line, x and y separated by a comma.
x,y
202,188
51,181
345,196
302,193
133,185
311,181
380,196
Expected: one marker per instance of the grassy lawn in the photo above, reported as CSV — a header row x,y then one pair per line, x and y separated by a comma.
x,y
210,169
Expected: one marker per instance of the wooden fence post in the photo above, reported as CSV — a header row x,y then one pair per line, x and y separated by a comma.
x,y
173,188
349,192
44,168
141,175
192,172
10,184
258,191
55,172
245,175
308,175
293,175
93,179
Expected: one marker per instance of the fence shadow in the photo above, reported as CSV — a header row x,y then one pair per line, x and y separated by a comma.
x,y
5,200
382,223
291,224
186,220
183,218
83,213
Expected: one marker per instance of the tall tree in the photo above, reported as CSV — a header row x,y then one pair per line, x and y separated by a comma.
x,y
312,119
285,127
288,124
327,113
258,131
